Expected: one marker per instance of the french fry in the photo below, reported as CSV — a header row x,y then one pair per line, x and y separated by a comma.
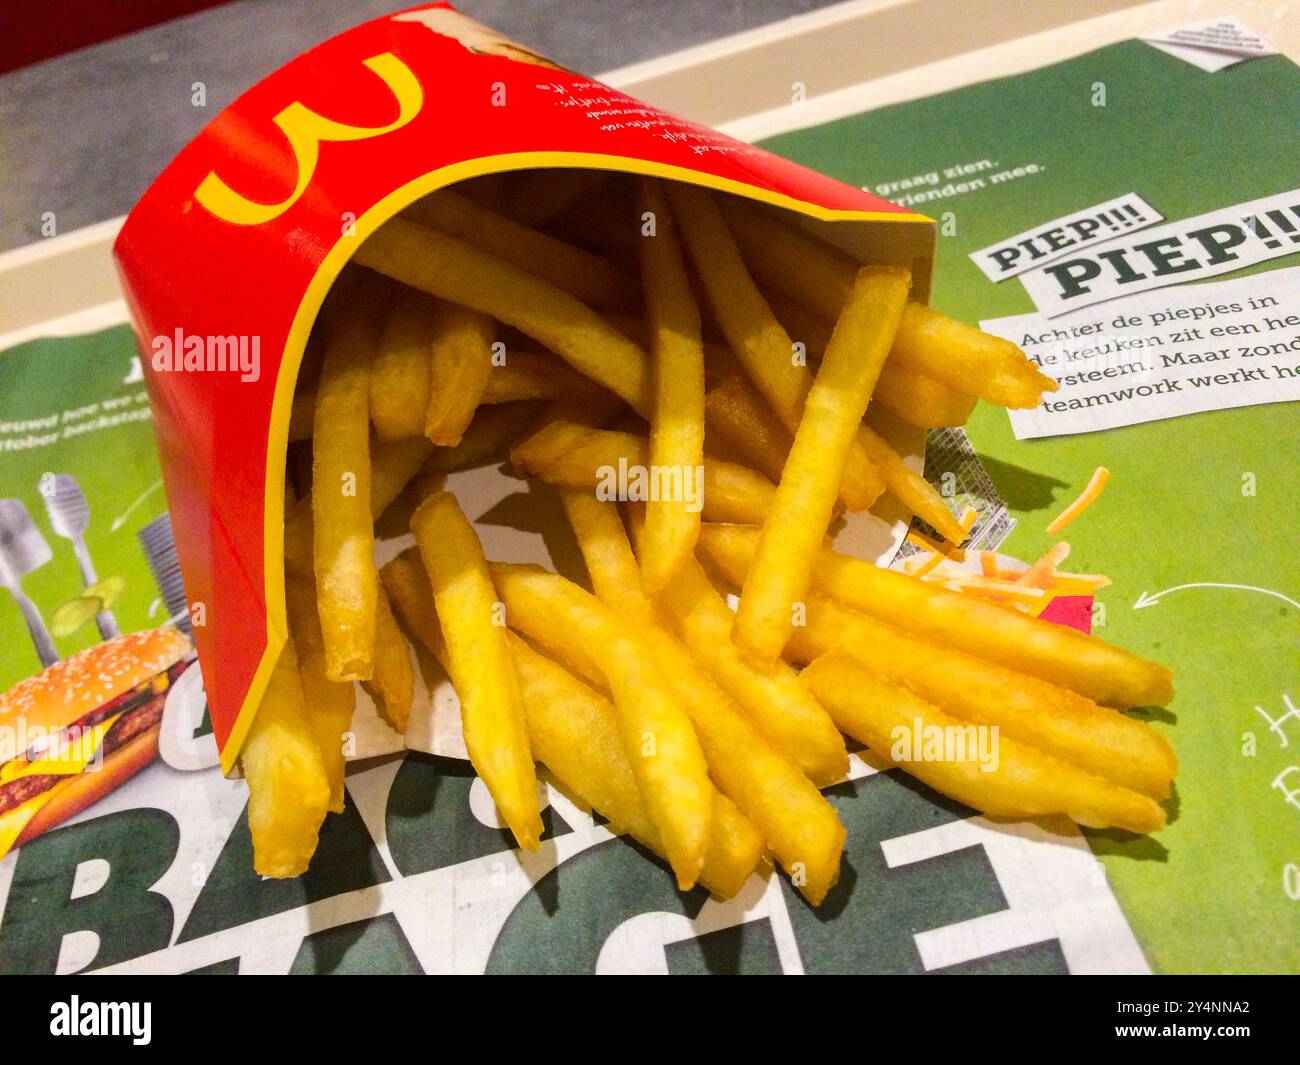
x,y
392,467
400,376
821,277
330,704
288,792
578,456
658,737
455,270
610,562
462,363
911,489
480,663
737,416
677,426
593,279
921,400
801,828
805,497
1054,653
772,699
756,337
1060,722
491,432
344,537
536,375
393,685
1019,781
573,731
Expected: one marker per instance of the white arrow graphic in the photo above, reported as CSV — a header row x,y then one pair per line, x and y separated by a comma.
x,y
1145,600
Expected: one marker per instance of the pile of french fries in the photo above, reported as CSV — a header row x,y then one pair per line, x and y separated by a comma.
x,y
579,321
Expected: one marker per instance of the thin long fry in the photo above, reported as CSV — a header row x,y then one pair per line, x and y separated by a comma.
x,y
393,686
455,270
772,698
391,469
288,792
677,426
1004,778
911,489
536,375
1061,722
330,704
801,828
740,417
573,731
491,432
480,663
462,363
1062,656
657,734
616,465
400,376
777,368
805,497
591,278
821,277
344,538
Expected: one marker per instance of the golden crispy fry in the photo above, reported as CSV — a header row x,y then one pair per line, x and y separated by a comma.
x,y
967,359
537,375
578,456
772,699
911,489
821,277
1061,722
344,536
480,663
455,270
288,792
593,279
763,347
402,369
1054,653
393,686
573,731
801,828
921,400
329,703
736,416
491,432
1019,782
657,734
392,467
805,497
462,362
677,426
744,422
608,555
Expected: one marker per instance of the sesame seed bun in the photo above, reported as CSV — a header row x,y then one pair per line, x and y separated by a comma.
x,y
76,686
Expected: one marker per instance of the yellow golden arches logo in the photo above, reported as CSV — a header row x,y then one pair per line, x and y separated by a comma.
x,y
305,130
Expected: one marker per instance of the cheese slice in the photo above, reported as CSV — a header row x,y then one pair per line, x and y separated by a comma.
x,y
71,760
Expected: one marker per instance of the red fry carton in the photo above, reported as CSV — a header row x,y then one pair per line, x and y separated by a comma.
x,y
228,256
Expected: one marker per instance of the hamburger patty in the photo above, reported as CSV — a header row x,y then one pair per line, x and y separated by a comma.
x,y
136,721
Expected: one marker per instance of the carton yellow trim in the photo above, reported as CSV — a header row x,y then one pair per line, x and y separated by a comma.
x,y
314,296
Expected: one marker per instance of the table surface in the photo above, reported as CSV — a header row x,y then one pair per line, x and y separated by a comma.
x,y
83,135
